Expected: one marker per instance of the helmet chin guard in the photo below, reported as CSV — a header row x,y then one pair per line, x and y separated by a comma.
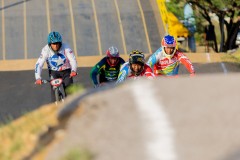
x,y
169,41
169,55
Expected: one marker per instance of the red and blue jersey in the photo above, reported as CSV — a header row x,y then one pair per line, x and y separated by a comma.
x,y
163,65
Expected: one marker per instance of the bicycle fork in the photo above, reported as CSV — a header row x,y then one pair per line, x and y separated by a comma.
x,y
58,95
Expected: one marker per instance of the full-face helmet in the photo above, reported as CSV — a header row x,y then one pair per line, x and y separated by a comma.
x,y
137,57
169,41
112,56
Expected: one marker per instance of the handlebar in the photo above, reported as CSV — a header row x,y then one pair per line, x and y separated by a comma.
x,y
53,82
44,81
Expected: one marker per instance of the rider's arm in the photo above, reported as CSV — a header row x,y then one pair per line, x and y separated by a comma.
x,y
72,59
148,72
153,59
186,62
96,70
123,73
121,61
40,63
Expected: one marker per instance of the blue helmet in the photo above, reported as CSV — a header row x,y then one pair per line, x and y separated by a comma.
x,y
169,41
54,37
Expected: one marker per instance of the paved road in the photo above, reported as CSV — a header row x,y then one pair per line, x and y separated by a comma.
x,y
89,26
205,125
19,94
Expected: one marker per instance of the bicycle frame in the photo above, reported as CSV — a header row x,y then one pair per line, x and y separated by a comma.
x,y
56,84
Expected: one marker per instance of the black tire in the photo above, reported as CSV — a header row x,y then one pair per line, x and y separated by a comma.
x,y
61,98
56,92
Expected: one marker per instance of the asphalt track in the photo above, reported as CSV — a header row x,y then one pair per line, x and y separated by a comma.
x,y
19,94
90,27
204,118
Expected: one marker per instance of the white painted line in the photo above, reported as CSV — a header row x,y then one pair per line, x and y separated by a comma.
x,y
97,27
159,133
224,68
25,29
208,57
3,32
222,64
73,28
121,27
48,16
144,26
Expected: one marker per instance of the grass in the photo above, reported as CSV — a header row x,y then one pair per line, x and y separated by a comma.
x,y
232,57
20,136
77,154
74,88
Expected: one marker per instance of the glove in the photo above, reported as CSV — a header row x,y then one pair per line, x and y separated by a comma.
x,y
38,82
73,74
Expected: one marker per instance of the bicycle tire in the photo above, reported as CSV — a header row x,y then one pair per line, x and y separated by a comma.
x,y
57,97
61,98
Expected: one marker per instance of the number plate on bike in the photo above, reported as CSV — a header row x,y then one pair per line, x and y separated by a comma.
x,y
56,82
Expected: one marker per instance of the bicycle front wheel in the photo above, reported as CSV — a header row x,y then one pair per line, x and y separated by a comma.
x,y
57,97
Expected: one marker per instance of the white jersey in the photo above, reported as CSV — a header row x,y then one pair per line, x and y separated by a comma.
x,y
64,59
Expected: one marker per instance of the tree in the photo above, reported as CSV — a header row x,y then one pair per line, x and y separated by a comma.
x,y
225,9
